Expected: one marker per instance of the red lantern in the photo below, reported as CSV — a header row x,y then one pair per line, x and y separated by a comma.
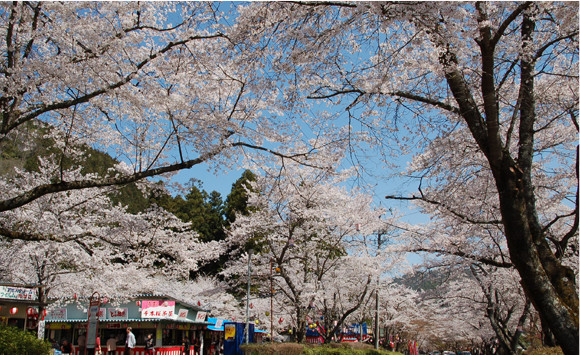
x,y
13,310
138,303
199,303
251,305
30,311
280,320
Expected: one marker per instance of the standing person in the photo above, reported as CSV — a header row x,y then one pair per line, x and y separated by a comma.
x,y
186,345
129,342
98,346
82,343
196,346
111,345
149,344
67,348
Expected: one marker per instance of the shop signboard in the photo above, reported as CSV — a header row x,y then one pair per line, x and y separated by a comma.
x,y
200,316
58,326
113,326
57,314
18,293
117,313
183,313
230,331
219,323
101,314
158,309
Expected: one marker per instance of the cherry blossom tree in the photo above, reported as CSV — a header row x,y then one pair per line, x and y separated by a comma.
x,y
507,308
310,230
93,245
158,86
492,86
205,291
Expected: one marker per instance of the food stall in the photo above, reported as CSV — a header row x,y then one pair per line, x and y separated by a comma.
x,y
169,321
19,306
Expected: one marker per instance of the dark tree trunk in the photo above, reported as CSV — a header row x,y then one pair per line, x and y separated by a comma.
x,y
547,283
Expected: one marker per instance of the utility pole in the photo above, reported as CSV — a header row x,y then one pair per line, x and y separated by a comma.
x,y
250,252
377,329
271,300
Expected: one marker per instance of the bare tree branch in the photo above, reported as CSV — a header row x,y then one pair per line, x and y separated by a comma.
x,y
449,209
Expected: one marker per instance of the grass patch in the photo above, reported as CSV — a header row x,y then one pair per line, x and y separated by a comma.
x,y
544,351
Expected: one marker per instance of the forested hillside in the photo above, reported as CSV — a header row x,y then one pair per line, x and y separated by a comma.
x,y
24,149
207,212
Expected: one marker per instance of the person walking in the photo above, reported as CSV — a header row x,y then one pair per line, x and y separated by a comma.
x,y
129,342
186,345
149,344
67,348
111,345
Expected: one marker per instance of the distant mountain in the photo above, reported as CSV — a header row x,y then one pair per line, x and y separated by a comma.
x,y
431,279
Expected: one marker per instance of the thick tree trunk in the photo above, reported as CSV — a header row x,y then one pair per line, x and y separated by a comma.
x,y
547,283
300,325
547,336
560,313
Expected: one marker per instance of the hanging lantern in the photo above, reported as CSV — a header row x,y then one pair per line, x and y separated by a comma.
x,y
257,321
30,311
13,310
251,305
280,320
105,300
267,313
199,303
75,296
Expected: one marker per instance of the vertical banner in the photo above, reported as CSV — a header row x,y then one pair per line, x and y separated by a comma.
x,y
41,327
93,321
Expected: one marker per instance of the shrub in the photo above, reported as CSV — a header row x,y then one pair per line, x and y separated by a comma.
x,y
312,349
273,349
16,341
